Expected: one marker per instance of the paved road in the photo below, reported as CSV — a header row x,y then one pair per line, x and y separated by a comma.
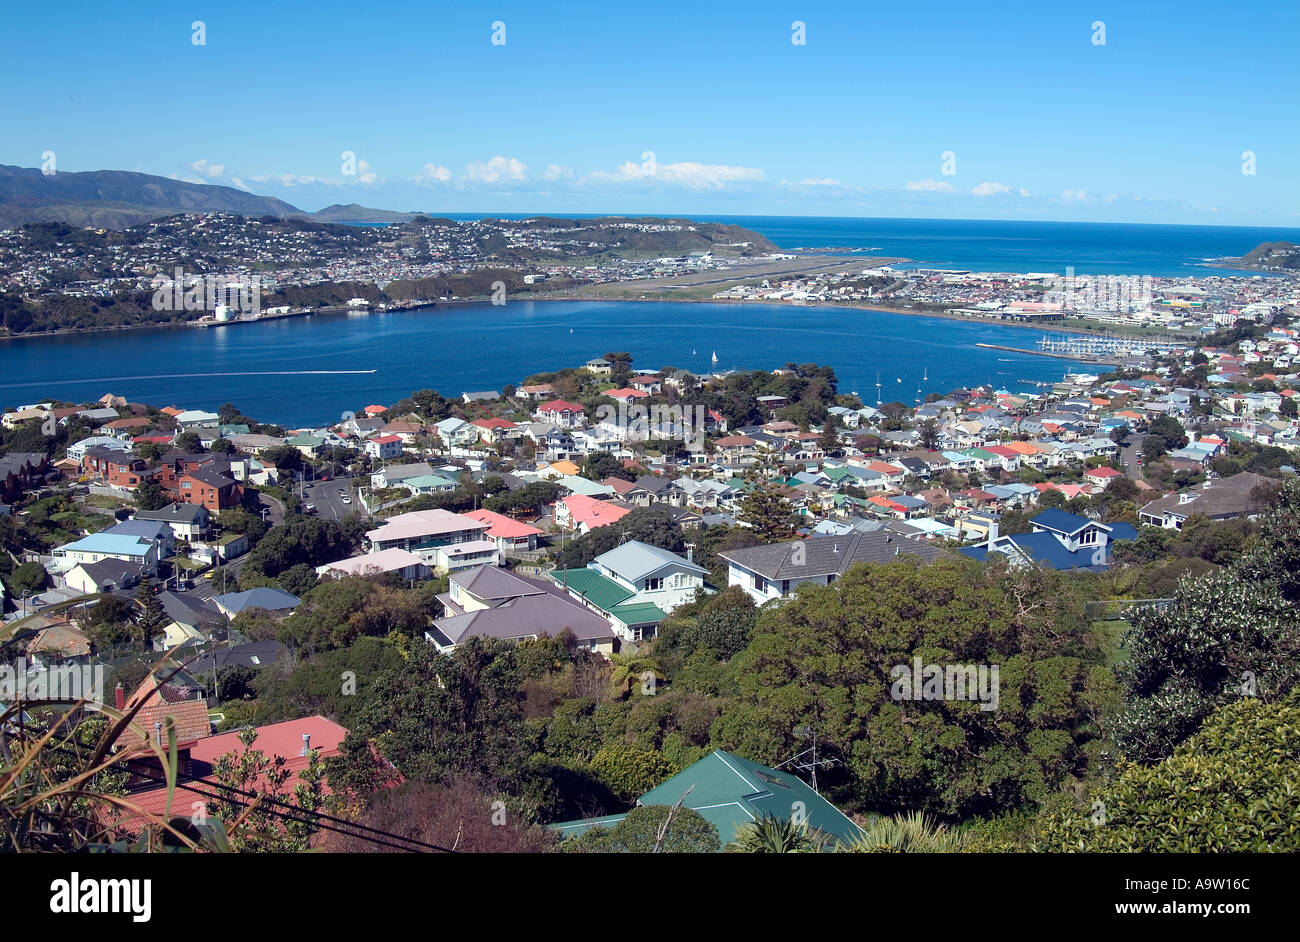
x,y
1130,455
329,503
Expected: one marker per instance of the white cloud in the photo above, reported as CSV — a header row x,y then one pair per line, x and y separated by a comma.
x,y
436,172
557,172
497,170
931,186
990,189
365,174
211,171
292,179
1023,191
1074,196
824,181
684,173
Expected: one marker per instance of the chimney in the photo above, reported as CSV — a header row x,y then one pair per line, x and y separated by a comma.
x,y
306,744
993,530
119,697
157,732
690,554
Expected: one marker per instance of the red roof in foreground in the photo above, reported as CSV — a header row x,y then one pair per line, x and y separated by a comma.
x,y
560,405
502,526
278,739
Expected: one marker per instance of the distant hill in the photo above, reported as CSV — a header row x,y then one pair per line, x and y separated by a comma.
x,y
353,212
117,199
653,235
1271,255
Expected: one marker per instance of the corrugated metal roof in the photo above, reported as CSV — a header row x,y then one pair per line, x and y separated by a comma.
x,y
600,591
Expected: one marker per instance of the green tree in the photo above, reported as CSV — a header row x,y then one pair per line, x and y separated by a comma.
x,y
439,715
29,577
1221,635
187,443
773,835
264,828
929,434
149,495
1229,788
828,660
152,620
630,771
649,829
723,625
768,511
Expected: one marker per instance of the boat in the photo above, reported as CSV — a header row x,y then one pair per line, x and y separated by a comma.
x,y
715,356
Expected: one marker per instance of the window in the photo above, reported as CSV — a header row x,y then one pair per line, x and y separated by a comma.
x,y
654,585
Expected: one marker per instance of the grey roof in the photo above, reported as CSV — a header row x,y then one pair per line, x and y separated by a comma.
x,y
188,610
273,600
401,472
174,513
635,560
253,654
547,612
1224,497
111,570
824,555
149,529
655,485
211,477
491,583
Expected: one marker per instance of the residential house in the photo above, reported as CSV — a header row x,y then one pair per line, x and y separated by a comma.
x,y
187,521
511,536
494,603
730,793
774,570
584,514
399,562
444,540
384,447
274,601
1059,540
1217,499
561,413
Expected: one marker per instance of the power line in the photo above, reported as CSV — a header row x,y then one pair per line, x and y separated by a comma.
x,y
292,810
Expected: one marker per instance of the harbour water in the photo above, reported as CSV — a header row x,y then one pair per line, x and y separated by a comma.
x,y
308,370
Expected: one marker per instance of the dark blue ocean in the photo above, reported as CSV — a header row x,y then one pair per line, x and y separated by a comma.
x,y
1013,246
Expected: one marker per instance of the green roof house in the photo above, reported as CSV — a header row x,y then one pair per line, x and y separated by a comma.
x,y
730,792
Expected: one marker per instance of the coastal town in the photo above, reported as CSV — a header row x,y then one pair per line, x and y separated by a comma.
x,y
603,514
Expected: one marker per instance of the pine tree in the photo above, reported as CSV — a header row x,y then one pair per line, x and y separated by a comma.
x,y
152,619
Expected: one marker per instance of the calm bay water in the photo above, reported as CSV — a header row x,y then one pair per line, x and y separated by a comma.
x,y
299,371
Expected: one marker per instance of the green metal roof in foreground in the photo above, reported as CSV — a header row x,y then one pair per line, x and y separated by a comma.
x,y
729,792
639,613
600,591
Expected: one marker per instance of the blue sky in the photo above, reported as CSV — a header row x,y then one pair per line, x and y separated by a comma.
x,y
1042,123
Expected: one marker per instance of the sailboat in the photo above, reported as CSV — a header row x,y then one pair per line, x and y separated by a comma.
x,y
693,353
715,356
